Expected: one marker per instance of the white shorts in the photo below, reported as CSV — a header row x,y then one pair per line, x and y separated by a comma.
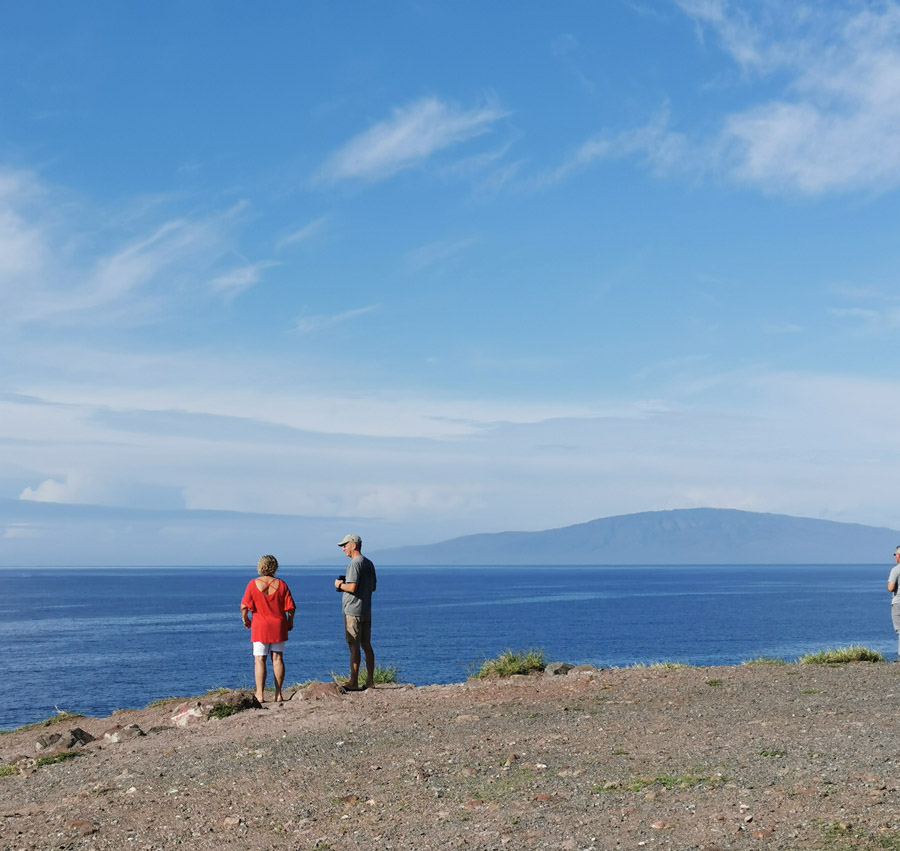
x,y
260,648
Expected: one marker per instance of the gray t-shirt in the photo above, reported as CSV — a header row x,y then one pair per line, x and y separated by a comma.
x,y
362,572
894,576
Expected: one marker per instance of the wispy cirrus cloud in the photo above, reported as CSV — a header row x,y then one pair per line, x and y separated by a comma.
x,y
435,252
64,262
833,125
312,323
836,125
664,151
309,231
411,135
242,278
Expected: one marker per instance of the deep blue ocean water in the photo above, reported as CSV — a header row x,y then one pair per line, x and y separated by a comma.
x,y
95,640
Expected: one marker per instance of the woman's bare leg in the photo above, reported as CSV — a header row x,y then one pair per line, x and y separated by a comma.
x,y
278,673
259,672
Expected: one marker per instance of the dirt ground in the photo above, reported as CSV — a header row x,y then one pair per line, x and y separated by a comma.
x,y
774,756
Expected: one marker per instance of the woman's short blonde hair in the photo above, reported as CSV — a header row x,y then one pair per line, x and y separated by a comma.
x,y
267,566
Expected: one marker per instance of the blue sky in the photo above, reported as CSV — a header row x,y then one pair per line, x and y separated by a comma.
x,y
426,269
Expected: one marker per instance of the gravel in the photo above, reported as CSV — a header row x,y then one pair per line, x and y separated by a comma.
x,y
768,756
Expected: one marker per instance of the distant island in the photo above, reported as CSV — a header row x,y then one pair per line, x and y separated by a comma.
x,y
683,536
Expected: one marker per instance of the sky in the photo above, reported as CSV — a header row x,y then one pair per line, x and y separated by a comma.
x,y
273,273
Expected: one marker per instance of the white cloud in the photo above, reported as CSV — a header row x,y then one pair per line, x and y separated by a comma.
x,y
305,234
435,252
883,320
312,323
663,149
22,246
409,137
238,280
776,328
451,466
64,263
47,491
837,124
834,124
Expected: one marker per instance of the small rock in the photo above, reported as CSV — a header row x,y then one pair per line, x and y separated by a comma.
x,y
47,741
187,713
81,827
318,691
660,825
232,702
120,734
231,822
466,719
557,669
78,738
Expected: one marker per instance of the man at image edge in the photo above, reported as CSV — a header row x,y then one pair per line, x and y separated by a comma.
x,y
893,578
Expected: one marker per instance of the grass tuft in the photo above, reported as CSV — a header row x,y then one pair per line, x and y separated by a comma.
x,y
165,701
669,781
765,660
382,675
7,770
509,663
62,756
61,717
841,656
223,710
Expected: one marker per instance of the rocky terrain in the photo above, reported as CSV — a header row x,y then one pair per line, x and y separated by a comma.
x,y
755,756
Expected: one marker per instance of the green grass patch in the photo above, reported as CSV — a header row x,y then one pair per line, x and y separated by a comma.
x,y
165,701
509,785
61,717
7,770
839,836
62,756
382,675
669,781
510,663
765,660
841,656
810,691
714,682
224,710
772,752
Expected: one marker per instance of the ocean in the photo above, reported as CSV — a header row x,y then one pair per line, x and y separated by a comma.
x,y
92,640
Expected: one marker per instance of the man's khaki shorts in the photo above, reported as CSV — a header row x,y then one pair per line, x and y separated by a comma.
x,y
357,630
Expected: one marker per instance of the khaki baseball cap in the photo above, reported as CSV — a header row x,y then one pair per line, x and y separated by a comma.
x,y
350,539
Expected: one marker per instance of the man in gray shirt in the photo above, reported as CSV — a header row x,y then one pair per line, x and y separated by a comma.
x,y
356,604
893,579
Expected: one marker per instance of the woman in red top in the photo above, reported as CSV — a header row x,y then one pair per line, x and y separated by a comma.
x,y
270,601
